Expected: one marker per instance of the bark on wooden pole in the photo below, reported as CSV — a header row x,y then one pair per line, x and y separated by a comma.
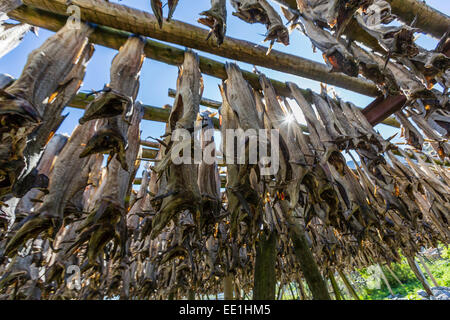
x,y
204,102
143,23
419,275
307,263
429,20
348,285
394,275
114,39
335,286
265,277
427,270
385,280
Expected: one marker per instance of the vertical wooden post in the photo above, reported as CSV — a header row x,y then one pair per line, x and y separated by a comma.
x,y
228,287
419,275
422,261
348,285
335,286
265,278
394,275
383,276
306,260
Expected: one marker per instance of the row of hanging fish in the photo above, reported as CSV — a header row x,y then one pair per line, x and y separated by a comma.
x,y
61,208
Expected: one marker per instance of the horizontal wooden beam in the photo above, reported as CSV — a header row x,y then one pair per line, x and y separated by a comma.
x,y
429,20
143,23
114,39
151,113
203,102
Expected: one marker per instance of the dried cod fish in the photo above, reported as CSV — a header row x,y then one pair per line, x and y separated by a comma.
x,y
28,97
260,11
117,103
181,192
216,19
107,219
69,176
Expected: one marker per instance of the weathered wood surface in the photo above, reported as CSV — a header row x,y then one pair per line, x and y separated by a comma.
x,y
138,22
8,5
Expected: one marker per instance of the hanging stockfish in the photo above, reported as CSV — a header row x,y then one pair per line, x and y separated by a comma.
x,y
182,192
208,170
116,103
292,141
51,120
396,40
157,8
334,14
239,112
260,11
12,34
216,19
374,68
57,67
69,176
335,52
33,197
106,220
57,261
439,143
345,189
412,135
172,6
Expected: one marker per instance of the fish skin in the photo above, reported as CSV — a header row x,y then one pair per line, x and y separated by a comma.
x,y
172,6
157,11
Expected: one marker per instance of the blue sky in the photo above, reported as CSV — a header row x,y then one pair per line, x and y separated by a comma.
x,y
157,78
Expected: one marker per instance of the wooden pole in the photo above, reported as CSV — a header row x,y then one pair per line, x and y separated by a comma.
x,y
143,23
386,282
429,20
348,285
335,286
419,275
427,270
203,102
307,263
301,289
265,277
114,39
394,275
